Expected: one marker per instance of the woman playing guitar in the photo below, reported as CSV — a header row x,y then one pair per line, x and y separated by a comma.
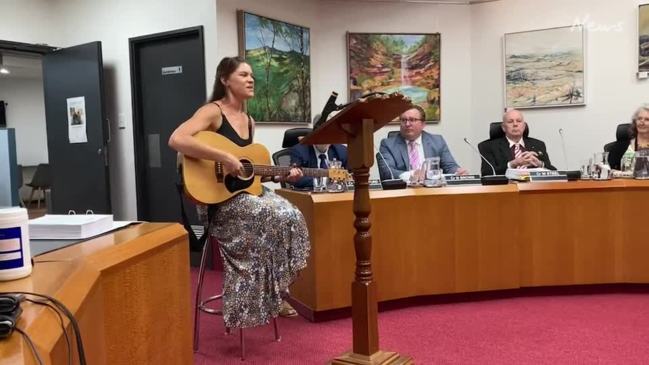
x,y
263,239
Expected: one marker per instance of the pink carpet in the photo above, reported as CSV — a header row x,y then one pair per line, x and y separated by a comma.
x,y
611,327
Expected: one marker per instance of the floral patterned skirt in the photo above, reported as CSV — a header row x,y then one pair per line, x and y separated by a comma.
x,y
264,243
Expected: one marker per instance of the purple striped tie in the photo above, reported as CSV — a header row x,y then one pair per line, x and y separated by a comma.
x,y
413,155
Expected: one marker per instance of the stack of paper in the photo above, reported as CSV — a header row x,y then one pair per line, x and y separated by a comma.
x,y
54,226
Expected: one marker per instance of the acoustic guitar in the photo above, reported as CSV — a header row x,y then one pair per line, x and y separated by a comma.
x,y
205,181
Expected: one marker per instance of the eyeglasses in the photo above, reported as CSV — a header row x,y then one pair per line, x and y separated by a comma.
x,y
409,120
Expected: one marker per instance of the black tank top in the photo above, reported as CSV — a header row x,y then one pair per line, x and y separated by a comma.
x,y
228,131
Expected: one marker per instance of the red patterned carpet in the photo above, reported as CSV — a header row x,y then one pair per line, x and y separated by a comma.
x,y
610,327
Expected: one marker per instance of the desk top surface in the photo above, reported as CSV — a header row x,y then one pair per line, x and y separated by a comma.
x,y
472,189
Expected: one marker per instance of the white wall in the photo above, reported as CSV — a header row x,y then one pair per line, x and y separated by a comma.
x,y
612,90
471,60
329,22
26,113
28,21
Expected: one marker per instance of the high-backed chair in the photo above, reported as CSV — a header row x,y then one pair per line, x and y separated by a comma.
x,y
622,133
282,158
392,133
496,130
292,136
41,181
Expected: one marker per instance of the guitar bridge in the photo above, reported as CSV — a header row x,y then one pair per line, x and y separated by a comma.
x,y
218,171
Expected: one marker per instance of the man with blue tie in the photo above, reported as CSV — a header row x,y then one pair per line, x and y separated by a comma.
x,y
403,155
316,156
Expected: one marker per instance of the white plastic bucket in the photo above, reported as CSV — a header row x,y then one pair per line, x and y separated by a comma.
x,y
15,257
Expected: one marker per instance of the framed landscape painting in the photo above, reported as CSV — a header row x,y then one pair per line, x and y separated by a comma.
x,y
405,63
643,38
279,54
545,68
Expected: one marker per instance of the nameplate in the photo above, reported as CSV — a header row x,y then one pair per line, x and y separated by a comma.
x,y
550,175
454,180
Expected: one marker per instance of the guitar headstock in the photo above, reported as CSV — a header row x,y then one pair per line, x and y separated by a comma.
x,y
339,174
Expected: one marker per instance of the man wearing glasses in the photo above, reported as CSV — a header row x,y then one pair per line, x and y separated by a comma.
x,y
403,155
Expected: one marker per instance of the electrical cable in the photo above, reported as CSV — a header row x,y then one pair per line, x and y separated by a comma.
x,y
29,341
65,333
66,311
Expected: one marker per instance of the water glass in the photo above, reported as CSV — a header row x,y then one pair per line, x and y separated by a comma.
x,y
626,163
320,184
433,174
585,169
641,165
601,170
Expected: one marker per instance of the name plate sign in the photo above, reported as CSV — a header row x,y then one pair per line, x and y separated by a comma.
x,y
455,180
537,176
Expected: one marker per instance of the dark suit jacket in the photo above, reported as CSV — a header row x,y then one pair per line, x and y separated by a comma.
x,y
304,156
395,152
616,152
498,153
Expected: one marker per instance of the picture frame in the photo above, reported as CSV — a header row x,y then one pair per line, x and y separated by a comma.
x,y
643,38
545,68
279,54
409,63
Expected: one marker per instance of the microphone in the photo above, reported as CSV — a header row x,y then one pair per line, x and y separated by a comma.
x,y
489,179
571,174
392,183
329,107
563,147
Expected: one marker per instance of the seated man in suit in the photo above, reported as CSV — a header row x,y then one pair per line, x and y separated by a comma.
x,y
405,153
316,156
514,150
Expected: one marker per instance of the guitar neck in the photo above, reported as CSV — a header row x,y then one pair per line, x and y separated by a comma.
x,y
265,170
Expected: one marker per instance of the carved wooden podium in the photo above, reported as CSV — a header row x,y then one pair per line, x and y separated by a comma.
x,y
355,125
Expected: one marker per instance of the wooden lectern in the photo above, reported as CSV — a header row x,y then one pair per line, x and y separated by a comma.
x,y
355,125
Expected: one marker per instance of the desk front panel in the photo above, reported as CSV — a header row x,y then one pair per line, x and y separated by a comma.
x,y
463,239
425,241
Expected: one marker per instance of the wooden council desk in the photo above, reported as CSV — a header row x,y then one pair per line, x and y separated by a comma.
x,y
129,290
477,238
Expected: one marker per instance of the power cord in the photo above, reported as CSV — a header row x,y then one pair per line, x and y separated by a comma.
x,y
29,341
63,309
65,332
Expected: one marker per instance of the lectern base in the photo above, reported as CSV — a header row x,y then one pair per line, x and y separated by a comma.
x,y
378,358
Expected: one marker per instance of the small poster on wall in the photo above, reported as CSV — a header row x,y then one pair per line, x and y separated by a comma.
x,y
77,120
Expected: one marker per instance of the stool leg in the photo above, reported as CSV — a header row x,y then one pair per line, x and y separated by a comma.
x,y
38,203
243,344
199,292
277,336
31,197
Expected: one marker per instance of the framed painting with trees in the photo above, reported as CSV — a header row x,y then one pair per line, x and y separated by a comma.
x,y
279,54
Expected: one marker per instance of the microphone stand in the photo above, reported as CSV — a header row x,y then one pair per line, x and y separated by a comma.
x,y
489,179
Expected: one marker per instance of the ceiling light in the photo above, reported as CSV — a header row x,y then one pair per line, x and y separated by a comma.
x,y
4,71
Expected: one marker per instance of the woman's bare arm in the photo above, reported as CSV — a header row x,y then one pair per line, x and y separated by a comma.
x,y
208,117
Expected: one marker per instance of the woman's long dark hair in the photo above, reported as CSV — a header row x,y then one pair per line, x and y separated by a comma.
x,y
226,67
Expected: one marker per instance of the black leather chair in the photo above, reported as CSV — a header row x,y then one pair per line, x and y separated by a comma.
x,y
622,133
282,158
392,133
292,136
496,130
